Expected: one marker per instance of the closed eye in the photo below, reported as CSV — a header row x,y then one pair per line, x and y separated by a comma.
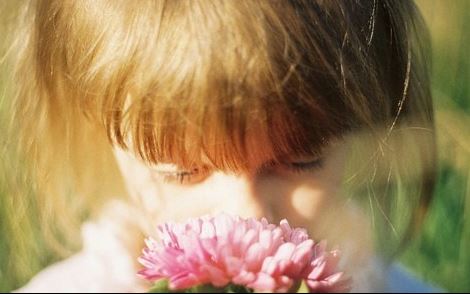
x,y
172,174
306,166
169,173
296,166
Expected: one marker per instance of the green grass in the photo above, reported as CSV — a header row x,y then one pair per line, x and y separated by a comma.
x,y
441,253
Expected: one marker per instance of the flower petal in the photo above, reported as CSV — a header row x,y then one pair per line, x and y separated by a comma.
x,y
246,252
285,251
263,282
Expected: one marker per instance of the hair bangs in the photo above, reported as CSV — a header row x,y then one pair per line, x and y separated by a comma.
x,y
188,101
227,139
235,131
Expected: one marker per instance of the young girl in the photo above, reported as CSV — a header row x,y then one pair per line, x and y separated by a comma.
x,y
314,111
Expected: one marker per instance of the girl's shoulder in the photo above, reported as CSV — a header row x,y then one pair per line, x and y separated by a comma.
x,y
105,263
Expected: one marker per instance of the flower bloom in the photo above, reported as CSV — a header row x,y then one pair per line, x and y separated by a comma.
x,y
256,254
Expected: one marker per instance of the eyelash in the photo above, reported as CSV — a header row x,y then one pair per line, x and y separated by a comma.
x,y
178,177
299,167
183,177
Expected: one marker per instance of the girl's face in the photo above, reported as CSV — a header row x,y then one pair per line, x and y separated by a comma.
x,y
306,192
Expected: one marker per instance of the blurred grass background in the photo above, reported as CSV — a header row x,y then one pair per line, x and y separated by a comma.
x,y
441,254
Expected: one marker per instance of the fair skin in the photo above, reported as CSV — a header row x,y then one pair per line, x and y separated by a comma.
x,y
309,197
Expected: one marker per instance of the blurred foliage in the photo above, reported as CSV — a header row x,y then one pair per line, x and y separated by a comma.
x,y
20,258
440,254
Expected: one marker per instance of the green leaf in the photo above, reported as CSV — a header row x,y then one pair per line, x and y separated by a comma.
x,y
204,289
303,288
160,286
231,288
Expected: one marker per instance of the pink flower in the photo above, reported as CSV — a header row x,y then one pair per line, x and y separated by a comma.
x,y
255,254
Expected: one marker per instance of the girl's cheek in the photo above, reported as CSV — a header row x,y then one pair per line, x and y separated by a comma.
x,y
308,202
180,202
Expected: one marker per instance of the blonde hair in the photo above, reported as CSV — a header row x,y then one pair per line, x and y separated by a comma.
x,y
233,81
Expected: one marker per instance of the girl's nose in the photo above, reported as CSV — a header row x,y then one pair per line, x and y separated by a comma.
x,y
243,196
